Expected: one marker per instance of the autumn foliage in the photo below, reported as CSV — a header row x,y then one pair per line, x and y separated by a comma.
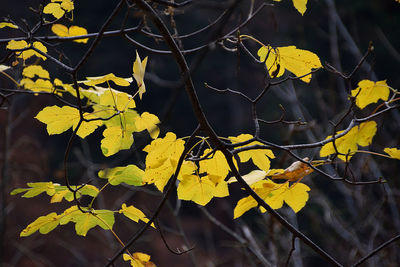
x,y
203,166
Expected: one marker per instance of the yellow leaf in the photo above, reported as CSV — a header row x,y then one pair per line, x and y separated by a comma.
x,y
300,5
260,157
196,189
8,24
393,152
130,175
32,70
139,259
148,122
39,85
59,120
256,175
134,214
106,78
369,92
347,145
67,5
274,195
120,100
216,167
299,62
16,45
63,31
44,224
161,160
115,139
54,9
139,68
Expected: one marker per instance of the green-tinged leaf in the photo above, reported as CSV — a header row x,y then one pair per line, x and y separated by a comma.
x,y
86,221
36,189
134,214
130,174
44,224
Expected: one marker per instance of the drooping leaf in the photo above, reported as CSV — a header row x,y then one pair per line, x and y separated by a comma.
x,y
134,214
59,120
64,31
347,145
369,92
260,157
196,189
130,174
393,152
148,121
139,68
299,62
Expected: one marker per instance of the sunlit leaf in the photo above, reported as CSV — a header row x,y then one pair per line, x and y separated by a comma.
x,y
134,214
297,61
369,92
393,152
161,160
260,157
16,45
115,139
148,121
64,31
59,120
35,70
348,144
106,78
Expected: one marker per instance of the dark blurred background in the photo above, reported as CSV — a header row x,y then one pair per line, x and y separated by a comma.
x,y
347,221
